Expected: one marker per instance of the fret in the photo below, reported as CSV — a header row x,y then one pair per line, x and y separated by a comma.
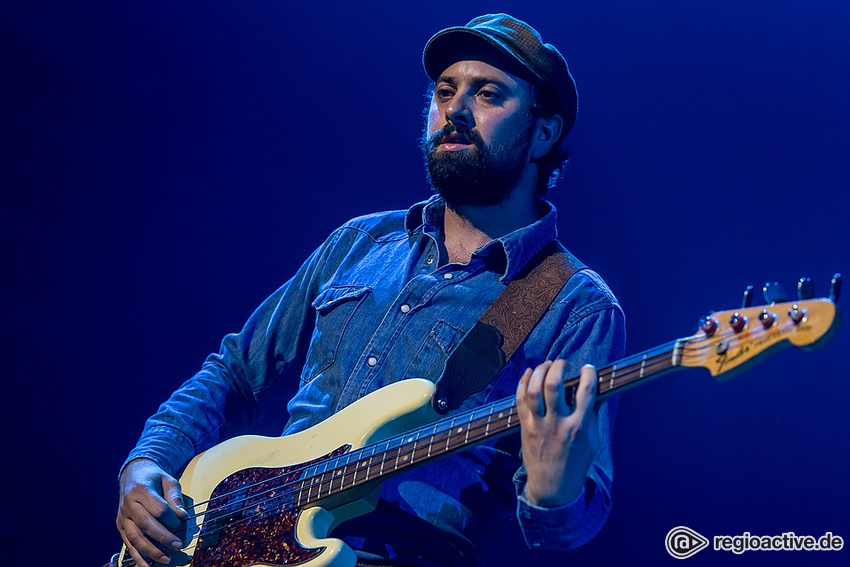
x,y
369,463
449,433
431,442
383,460
642,366
471,419
320,469
613,375
675,353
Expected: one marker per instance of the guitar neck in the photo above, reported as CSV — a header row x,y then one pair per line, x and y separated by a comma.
x,y
451,434
727,343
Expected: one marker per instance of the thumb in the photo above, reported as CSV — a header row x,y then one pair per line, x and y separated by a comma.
x,y
174,496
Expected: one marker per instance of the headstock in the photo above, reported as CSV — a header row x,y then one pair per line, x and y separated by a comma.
x,y
735,339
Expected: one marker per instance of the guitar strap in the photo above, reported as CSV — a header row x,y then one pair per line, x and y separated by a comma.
x,y
504,326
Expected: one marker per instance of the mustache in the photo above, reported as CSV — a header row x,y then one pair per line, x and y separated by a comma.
x,y
454,133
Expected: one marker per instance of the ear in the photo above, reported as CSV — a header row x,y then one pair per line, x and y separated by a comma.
x,y
546,134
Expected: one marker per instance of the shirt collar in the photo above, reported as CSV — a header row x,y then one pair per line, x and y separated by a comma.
x,y
510,253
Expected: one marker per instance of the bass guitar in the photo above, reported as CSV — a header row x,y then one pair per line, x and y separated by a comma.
x,y
265,501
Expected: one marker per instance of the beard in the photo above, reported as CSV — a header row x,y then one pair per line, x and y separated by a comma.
x,y
479,175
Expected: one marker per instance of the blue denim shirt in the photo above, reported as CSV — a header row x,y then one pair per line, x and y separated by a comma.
x,y
375,304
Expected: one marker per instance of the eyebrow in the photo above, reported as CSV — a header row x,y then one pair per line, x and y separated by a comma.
x,y
477,80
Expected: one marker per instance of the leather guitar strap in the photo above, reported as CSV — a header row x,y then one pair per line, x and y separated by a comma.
x,y
504,326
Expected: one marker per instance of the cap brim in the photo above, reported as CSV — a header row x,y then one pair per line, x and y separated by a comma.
x,y
454,44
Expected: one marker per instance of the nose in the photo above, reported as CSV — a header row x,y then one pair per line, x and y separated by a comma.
x,y
458,112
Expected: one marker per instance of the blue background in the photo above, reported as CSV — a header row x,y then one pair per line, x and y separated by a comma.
x,y
165,166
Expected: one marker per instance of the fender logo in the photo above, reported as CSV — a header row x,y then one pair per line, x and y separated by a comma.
x,y
725,360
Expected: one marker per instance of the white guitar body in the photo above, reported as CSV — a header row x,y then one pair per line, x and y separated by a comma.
x,y
389,411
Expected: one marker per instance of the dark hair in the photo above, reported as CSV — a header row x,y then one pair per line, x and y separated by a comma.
x,y
550,167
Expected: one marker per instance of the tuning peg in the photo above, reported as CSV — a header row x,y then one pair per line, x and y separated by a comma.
x,y
805,289
774,293
748,297
835,288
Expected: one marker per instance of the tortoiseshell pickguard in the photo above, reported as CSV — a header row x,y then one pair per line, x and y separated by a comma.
x,y
261,528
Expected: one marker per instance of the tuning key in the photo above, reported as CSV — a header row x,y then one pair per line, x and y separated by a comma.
x,y
748,297
767,318
774,293
805,289
835,288
738,322
708,325
797,314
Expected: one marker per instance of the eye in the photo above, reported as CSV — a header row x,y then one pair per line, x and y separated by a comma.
x,y
489,95
443,93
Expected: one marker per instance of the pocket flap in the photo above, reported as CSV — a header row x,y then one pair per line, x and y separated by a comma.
x,y
333,296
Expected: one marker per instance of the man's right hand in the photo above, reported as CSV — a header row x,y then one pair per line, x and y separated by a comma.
x,y
151,504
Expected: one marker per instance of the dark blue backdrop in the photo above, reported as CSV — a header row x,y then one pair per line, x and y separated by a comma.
x,y
165,166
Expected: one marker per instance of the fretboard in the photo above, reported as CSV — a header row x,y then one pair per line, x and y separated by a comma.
x,y
454,433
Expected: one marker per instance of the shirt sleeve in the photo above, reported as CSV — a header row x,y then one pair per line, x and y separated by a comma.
x,y
597,337
224,397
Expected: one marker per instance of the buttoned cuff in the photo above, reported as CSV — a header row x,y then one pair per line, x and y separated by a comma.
x,y
542,527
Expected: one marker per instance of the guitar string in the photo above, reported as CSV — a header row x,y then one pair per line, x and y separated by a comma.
x,y
327,476
358,463
663,348
475,433
332,468
361,465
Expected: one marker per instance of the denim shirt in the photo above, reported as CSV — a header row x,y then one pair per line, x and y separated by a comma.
x,y
375,304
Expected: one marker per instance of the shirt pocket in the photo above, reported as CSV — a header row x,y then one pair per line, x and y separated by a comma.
x,y
335,306
429,362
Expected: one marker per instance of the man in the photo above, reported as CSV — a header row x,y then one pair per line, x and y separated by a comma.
x,y
390,296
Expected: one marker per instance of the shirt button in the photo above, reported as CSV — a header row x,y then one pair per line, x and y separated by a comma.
x,y
429,261
371,361
405,308
448,276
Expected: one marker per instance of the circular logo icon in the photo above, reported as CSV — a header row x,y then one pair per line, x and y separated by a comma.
x,y
682,542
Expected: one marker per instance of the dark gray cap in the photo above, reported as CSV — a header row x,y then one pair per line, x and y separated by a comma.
x,y
519,46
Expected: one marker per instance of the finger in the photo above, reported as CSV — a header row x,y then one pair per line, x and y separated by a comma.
x,y
134,553
137,557
174,496
522,395
586,392
160,508
553,388
140,546
536,403
148,517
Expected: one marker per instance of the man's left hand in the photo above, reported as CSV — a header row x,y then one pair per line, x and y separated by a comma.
x,y
558,443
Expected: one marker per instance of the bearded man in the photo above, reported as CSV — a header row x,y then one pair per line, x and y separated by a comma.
x,y
390,297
